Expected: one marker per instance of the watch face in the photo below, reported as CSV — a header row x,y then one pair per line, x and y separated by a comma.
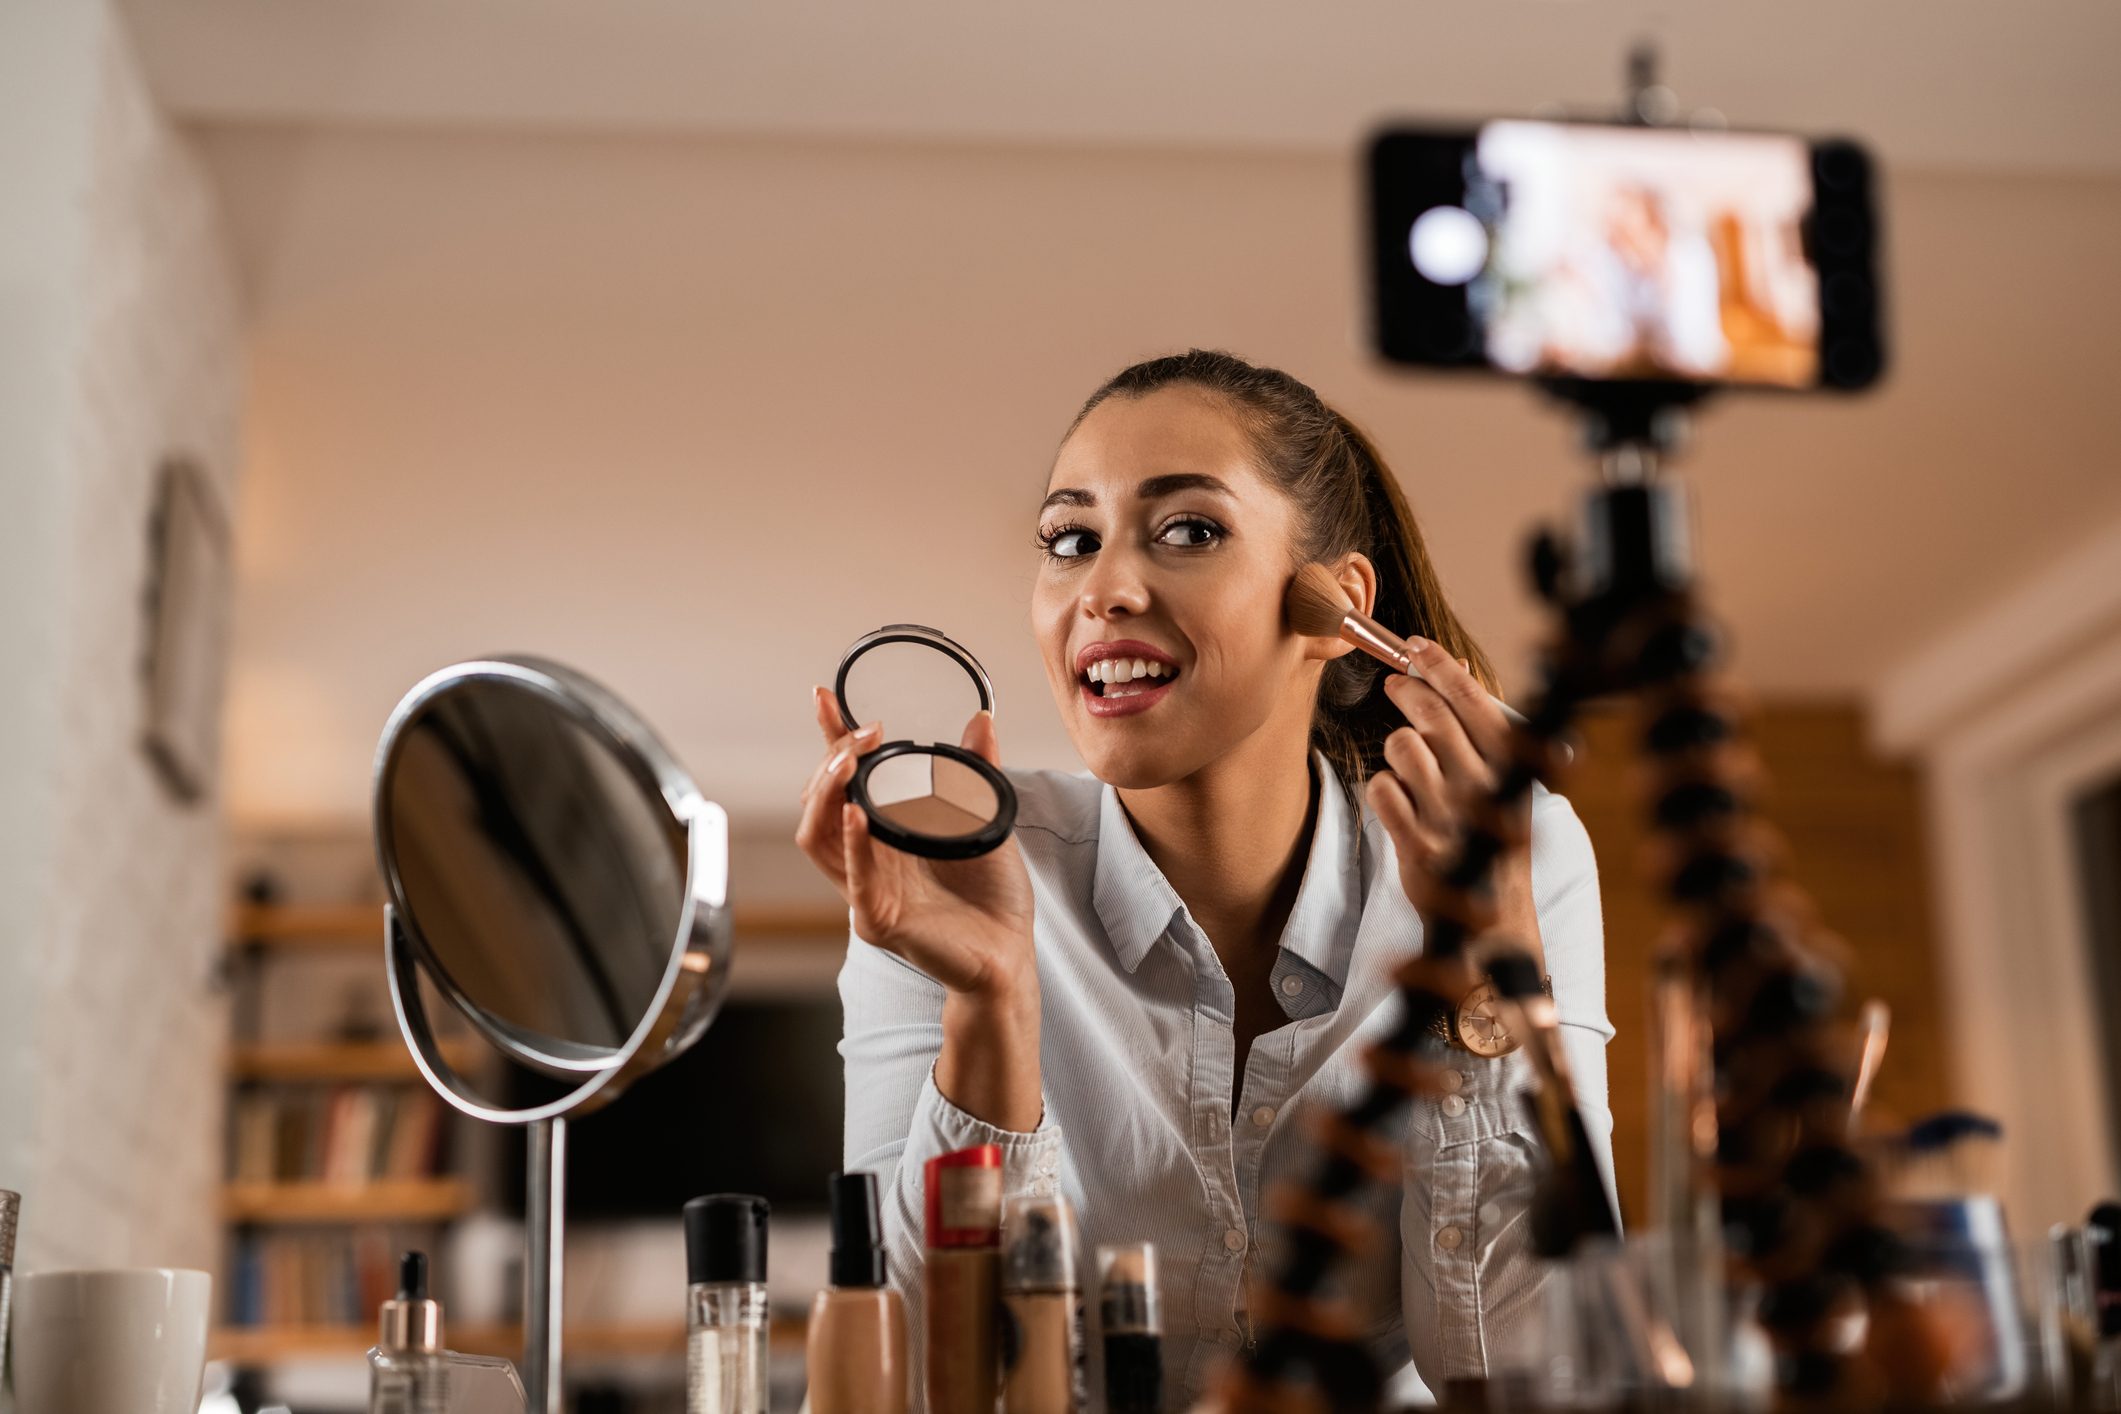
x,y
1480,1024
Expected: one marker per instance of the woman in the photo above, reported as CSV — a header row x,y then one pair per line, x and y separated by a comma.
x,y
1184,952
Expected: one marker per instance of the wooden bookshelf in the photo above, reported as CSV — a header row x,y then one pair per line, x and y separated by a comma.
x,y
351,927
407,1201
263,1345
337,1061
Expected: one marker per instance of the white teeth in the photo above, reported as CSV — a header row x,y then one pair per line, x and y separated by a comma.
x,y
1114,672
1122,670
1141,668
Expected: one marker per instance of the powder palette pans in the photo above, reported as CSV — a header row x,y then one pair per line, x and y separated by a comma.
x,y
922,793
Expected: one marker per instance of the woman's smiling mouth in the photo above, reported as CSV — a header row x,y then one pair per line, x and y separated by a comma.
x,y
1123,678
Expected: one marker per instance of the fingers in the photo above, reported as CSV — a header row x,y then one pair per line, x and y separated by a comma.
x,y
817,831
1417,846
829,721
1420,777
1452,680
979,738
864,890
1431,713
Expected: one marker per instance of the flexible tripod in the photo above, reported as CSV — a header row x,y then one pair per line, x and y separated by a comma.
x,y
1799,1206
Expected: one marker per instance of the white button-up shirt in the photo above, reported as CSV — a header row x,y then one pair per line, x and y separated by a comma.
x,y
1139,1061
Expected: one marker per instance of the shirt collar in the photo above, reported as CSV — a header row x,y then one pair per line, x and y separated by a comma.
x,y
1136,903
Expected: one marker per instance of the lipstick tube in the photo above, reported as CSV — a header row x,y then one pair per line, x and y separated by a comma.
x,y
963,1279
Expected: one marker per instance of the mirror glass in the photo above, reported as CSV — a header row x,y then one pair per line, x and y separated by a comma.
x,y
546,878
917,689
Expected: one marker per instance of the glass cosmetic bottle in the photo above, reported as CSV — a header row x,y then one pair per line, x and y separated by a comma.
x,y
726,1311
408,1373
1131,1320
1042,1310
857,1343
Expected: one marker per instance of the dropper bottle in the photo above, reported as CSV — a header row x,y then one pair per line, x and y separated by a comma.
x,y
408,1373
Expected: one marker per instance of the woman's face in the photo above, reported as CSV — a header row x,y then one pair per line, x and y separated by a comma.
x,y
1159,601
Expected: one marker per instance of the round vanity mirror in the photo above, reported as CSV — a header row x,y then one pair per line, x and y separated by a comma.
x,y
555,876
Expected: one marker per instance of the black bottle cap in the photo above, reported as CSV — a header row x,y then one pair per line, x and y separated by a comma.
x,y
412,1276
725,1238
857,1231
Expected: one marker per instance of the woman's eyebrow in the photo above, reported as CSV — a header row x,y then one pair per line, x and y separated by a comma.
x,y
1156,486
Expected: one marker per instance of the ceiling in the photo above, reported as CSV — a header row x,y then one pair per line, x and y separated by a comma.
x,y
2025,85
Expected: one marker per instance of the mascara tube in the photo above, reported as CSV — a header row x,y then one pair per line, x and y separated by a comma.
x,y
962,1273
1131,1316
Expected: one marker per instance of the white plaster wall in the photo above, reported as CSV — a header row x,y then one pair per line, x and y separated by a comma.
x,y
111,1120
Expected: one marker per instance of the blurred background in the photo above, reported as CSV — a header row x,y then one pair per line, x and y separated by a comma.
x,y
340,339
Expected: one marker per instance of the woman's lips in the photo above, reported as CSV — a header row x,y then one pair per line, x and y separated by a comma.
x,y
1131,704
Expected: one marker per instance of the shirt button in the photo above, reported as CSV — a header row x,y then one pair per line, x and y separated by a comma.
x,y
1234,1239
1454,1080
1263,1116
1454,1105
1449,1238
1290,986
1490,1214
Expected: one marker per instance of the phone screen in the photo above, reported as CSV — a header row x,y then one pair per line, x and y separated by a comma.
x,y
1578,250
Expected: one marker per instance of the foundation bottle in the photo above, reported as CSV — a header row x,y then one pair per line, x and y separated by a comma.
x,y
726,1311
962,1274
1130,1319
1042,1310
857,1341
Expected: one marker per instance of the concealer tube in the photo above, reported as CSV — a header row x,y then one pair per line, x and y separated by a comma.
x,y
1130,1315
963,1279
857,1341
1042,1310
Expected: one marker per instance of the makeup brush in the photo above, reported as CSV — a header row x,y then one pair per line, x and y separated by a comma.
x,y
1318,608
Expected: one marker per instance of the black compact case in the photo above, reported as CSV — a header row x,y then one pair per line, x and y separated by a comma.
x,y
922,793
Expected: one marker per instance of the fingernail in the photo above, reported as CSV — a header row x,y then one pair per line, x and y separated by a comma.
x,y
1466,663
839,758
869,729
1418,644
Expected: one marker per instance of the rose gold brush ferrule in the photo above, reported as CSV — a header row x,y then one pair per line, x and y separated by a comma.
x,y
1378,641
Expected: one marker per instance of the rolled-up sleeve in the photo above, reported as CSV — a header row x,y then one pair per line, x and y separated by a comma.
x,y
1469,1278
897,1119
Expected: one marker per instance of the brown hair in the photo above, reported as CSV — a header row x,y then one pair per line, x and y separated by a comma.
x,y
1348,500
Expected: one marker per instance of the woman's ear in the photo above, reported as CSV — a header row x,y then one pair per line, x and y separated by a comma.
x,y
1357,578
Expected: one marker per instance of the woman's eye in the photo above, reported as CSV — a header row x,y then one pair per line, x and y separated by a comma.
x,y
1189,534
1069,544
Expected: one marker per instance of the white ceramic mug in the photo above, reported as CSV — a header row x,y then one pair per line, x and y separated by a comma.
x,y
102,1342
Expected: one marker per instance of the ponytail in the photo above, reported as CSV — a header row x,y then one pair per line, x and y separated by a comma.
x,y
1354,714
1348,500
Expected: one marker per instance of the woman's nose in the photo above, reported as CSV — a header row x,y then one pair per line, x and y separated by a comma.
x,y
1114,589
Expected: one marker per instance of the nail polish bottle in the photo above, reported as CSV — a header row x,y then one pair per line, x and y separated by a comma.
x,y
726,1311
857,1340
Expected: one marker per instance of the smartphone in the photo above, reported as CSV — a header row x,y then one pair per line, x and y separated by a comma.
x,y
1604,252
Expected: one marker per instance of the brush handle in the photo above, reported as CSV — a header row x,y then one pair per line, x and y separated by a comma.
x,y
1390,649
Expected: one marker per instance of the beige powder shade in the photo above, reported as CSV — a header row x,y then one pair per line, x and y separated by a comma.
x,y
960,802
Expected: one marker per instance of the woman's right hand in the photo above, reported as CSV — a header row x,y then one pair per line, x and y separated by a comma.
x,y
966,923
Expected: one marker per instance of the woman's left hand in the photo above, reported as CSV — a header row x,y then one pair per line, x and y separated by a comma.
x,y
1439,766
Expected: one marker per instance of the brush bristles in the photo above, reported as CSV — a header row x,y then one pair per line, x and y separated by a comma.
x,y
1316,604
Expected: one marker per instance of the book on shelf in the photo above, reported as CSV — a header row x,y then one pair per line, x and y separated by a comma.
x,y
345,1136
316,1279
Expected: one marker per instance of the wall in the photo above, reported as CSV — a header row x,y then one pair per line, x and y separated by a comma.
x,y
109,1116
695,413
1852,824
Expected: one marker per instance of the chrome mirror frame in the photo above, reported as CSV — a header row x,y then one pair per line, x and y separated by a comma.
x,y
695,979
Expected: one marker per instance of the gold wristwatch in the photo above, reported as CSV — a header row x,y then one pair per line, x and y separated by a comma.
x,y
1477,1026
